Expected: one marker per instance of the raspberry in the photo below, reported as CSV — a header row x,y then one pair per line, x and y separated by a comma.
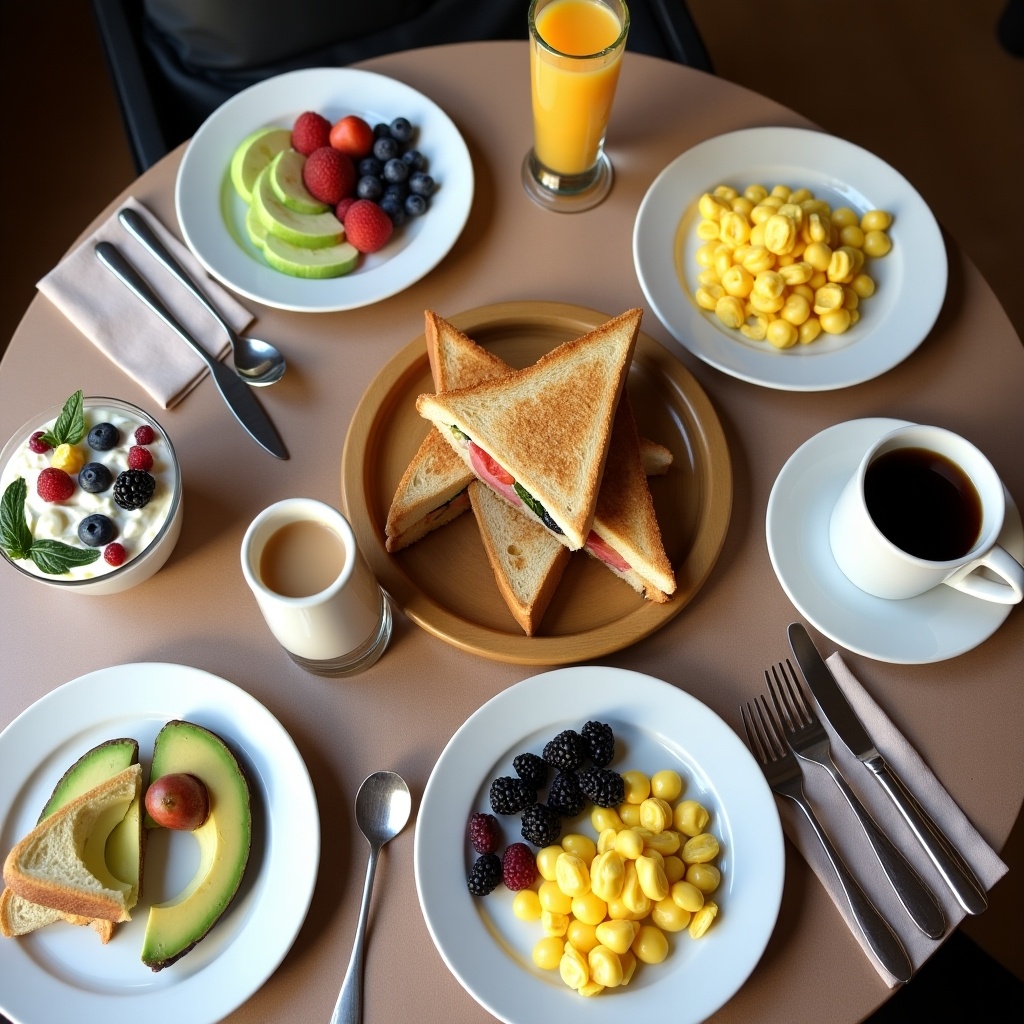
x,y
145,434
566,750
329,175
35,444
342,208
367,226
54,485
114,554
310,132
605,788
139,457
518,868
533,770
485,875
484,832
510,796
565,795
541,825
133,488
599,741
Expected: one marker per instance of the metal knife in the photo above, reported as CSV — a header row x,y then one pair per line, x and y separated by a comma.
x,y
969,892
236,393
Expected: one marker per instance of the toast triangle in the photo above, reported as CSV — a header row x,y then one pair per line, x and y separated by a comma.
x,y
547,426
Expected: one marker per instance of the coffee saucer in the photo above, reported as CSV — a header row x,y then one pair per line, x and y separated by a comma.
x,y
934,626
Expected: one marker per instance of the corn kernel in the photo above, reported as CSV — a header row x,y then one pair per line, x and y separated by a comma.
x,y
703,848
818,254
769,283
687,896
554,924
526,905
779,233
589,908
592,988
755,193
702,919
796,309
546,858
852,235
582,936
655,813
605,967
707,230
781,334
628,961
743,205
629,843
842,216
651,875
808,331
605,817
757,258
835,321
733,228
711,207
726,193
863,285
755,327
650,945
663,843
548,952
553,899
675,869
581,845
876,243
690,818
729,309
637,786
633,896
572,967
617,935
737,280
605,841
781,192
607,875
669,916
572,875
828,297
705,877
875,220
630,814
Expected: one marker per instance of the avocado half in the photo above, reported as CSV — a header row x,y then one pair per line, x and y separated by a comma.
x,y
174,927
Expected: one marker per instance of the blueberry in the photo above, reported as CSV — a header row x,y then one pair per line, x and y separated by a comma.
x,y
401,129
381,131
399,190
395,210
370,165
422,184
103,437
369,187
415,206
96,530
396,170
415,159
385,149
95,477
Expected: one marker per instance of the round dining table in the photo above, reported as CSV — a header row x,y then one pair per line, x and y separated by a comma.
x,y
964,714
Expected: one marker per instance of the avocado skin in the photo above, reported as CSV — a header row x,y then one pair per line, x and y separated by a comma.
x,y
93,767
171,932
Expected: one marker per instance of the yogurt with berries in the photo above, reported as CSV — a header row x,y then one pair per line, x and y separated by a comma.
x,y
91,495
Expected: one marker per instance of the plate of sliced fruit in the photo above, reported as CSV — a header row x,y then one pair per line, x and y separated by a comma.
x,y
259,206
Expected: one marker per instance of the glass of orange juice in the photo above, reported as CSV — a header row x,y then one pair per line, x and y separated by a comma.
x,y
576,49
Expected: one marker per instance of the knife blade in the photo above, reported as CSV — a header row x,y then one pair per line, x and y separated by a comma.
x,y
831,700
235,392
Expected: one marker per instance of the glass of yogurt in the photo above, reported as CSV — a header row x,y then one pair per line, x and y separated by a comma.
x,y
101,514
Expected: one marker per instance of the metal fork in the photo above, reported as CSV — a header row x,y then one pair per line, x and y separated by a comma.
x,y
782,770
807,738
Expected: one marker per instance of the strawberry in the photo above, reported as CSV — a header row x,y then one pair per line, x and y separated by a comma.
x,y
310,132
342,208
352,135
329,175
518,867
367,226
54,485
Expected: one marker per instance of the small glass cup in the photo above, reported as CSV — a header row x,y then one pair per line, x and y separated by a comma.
x,y
576,49
315,589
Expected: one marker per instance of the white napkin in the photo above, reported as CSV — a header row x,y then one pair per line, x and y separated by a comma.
x,y
127,331
834,814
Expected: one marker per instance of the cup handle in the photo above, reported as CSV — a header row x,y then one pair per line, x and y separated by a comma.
x,y
1008,589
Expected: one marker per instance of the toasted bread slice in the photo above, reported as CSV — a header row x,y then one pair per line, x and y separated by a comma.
x,y
526,559
19,916
657,459
60,863
545,427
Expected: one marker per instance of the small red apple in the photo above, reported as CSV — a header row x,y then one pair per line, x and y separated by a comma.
x,y
179,801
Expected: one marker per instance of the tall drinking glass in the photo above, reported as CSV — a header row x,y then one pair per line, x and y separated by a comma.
x,y
576,49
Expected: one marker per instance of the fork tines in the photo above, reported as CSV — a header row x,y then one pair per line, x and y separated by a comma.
x,y
764,737
791,703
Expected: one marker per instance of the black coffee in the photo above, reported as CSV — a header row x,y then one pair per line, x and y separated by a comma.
x,y
924,503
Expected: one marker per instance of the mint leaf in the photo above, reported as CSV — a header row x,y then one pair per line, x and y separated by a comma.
x,y
70,425
55,557
15,536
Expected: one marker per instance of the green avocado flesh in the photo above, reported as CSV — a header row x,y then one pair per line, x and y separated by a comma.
x,y
224,839
92,768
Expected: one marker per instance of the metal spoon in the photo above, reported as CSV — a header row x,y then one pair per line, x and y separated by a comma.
x,y
257,362
383,804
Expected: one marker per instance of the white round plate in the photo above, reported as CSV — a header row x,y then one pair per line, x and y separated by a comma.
x,y
656,726
911,279
63,972
212,216
934,626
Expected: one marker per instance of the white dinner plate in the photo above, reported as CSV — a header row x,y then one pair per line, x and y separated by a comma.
x,y
933,626
911,279
212,216
63,972
656,726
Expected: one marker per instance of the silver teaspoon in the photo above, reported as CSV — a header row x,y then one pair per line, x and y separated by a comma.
x,y
257,362
383,804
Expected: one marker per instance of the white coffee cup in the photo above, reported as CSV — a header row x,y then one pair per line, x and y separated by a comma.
x,y
894,534
315,589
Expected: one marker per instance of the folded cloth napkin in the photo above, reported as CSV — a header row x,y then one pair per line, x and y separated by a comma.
x,y
126,330
834,814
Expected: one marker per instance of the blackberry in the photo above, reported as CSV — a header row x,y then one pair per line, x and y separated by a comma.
x,y
485,875
94,477
566,750
510,795
599,740
96,530
133,488
103,437
541,825
533,770
602,786
565,795
484,832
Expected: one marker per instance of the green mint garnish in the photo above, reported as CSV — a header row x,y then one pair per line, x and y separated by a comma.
x,y
70,425
52,557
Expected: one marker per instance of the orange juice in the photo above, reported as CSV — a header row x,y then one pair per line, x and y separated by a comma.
x,y
573,81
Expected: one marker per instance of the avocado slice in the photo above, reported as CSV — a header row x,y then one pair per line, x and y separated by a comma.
x,y
224,840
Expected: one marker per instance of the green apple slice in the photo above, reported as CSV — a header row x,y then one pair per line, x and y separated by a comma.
x,y
286,181
332,261
308,230
253,154
256,231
